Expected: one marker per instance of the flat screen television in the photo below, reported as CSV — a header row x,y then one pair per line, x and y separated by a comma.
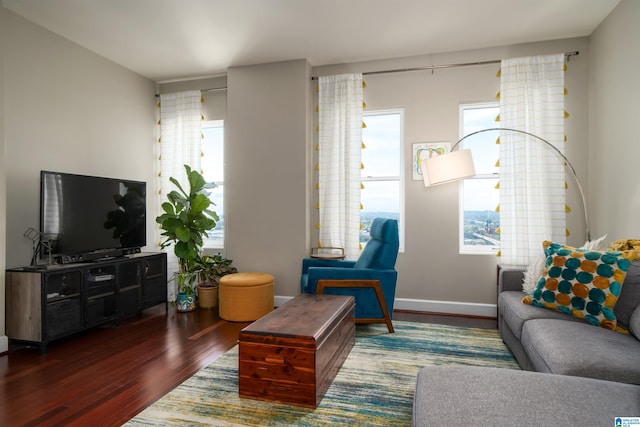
x,y
84,218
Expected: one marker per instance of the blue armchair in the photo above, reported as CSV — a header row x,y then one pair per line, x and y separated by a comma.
x,y
371,279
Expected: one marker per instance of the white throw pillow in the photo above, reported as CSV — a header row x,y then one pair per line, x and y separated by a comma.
x,y
533,273
595,245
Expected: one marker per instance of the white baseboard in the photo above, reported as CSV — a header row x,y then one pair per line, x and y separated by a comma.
x,y
279,300
432,306
4,343
446,307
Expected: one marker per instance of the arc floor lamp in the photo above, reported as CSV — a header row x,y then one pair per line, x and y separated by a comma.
x,y
457,165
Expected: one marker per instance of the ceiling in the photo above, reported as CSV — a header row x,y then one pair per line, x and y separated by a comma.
x,y
168,40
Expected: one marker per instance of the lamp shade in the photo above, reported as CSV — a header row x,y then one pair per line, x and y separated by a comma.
x,y
448,167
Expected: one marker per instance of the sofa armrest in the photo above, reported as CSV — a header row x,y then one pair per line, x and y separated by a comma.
x,y
510,278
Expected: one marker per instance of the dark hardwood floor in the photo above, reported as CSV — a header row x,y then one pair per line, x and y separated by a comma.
x,y
105,376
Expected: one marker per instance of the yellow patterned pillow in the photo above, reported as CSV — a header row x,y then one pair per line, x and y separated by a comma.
x,y
583,283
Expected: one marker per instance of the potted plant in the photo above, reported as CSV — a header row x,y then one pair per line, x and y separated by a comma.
x,y
210,270
185,221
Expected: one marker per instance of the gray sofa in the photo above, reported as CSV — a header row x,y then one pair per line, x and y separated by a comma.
x,y
586,375
476,396
548,341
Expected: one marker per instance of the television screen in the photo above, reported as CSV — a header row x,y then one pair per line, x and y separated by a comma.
x,y
88,214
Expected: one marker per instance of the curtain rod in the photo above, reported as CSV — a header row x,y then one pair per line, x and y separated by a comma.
x,y
440,67
213,89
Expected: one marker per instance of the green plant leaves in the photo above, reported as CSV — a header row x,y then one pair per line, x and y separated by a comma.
x,y
199,203
187,218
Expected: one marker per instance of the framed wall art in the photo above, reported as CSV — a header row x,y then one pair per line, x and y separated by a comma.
x,y
424,150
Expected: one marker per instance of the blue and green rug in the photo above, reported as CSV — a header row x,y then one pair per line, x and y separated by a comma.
x,y
373,388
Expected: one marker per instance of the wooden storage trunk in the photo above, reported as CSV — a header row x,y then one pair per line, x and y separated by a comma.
x,y
292,354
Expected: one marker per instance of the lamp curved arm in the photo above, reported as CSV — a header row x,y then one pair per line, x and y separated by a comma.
x,y
558,152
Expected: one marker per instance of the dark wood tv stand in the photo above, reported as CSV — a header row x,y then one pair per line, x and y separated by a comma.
x,y
46,304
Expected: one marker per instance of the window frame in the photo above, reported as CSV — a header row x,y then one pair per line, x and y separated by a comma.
x,y
400,178
473,249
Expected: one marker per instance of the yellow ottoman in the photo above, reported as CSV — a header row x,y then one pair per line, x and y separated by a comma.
x,y
245,297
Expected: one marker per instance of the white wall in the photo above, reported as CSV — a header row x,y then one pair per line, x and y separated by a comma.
x,y
267,154
431,272
68,110
63,108
4,345
614,115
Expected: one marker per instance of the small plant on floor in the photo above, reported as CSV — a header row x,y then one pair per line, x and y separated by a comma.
x,y
213,267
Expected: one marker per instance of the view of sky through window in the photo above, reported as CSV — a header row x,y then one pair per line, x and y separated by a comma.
x,y
213,171
382,160
479,196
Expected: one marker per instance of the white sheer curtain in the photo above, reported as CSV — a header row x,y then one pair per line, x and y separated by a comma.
x,y
532,175
179,144
340,143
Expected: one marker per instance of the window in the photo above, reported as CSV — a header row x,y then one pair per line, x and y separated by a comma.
x,y
382,195
478,195
213,171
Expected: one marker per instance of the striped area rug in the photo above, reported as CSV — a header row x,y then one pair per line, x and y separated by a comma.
x,y
373,388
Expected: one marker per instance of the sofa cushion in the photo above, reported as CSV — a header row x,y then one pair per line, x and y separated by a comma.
x,y
629,297
634,323
579,349
477,396
583,283
515,313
